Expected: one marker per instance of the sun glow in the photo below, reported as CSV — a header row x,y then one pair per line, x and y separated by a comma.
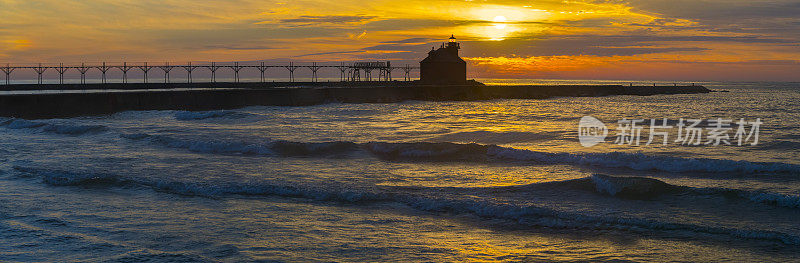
x,y
500,22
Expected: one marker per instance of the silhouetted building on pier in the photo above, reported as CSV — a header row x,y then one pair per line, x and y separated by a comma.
x,y
443,65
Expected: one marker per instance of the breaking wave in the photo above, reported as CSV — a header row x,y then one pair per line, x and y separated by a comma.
x,y
632,187
635,161
202,115
790,201
266,148
649,188
521,215
64,129
425,151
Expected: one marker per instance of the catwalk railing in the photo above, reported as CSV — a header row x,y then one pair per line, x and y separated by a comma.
x,y
356,71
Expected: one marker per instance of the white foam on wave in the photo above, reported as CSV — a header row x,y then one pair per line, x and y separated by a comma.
x,y
604,185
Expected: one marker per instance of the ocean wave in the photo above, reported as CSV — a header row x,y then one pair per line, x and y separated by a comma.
x,y
635,161
64,178
534,216
522,215
472,152
63,129
56,177
202,115
266,148
648,188
497,137
204,146
628,187
632,187
288,148
640,161
775,199
443,151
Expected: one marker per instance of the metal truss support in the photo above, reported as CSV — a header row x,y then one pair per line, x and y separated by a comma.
x,y
103,69
291,67
314,68
145,69
236,68
407,73
8,70
39,71
125,68
368,74
213,68
61,69
189,68
262,68
83,69
355,74
166,68
343,72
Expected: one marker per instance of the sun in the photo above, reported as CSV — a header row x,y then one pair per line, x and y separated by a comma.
x,y
500,22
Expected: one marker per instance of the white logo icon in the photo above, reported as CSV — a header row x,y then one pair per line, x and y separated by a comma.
x,y
591,131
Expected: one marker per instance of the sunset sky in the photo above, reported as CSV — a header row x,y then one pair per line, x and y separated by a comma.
x,y
636,39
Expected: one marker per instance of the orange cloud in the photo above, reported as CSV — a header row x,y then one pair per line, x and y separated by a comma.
x,y
16,44
531,65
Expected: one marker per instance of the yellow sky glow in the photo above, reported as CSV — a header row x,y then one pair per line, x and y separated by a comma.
x,y
538,38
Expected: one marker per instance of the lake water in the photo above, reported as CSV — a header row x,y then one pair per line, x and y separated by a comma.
x,y
411,181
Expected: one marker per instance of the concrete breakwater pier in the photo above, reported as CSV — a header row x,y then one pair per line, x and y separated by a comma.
x,y
101,99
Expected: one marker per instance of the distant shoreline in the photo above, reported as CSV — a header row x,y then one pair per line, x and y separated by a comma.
x,y
219,96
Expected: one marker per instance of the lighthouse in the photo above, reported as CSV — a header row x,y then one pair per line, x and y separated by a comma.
x,y
443,65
